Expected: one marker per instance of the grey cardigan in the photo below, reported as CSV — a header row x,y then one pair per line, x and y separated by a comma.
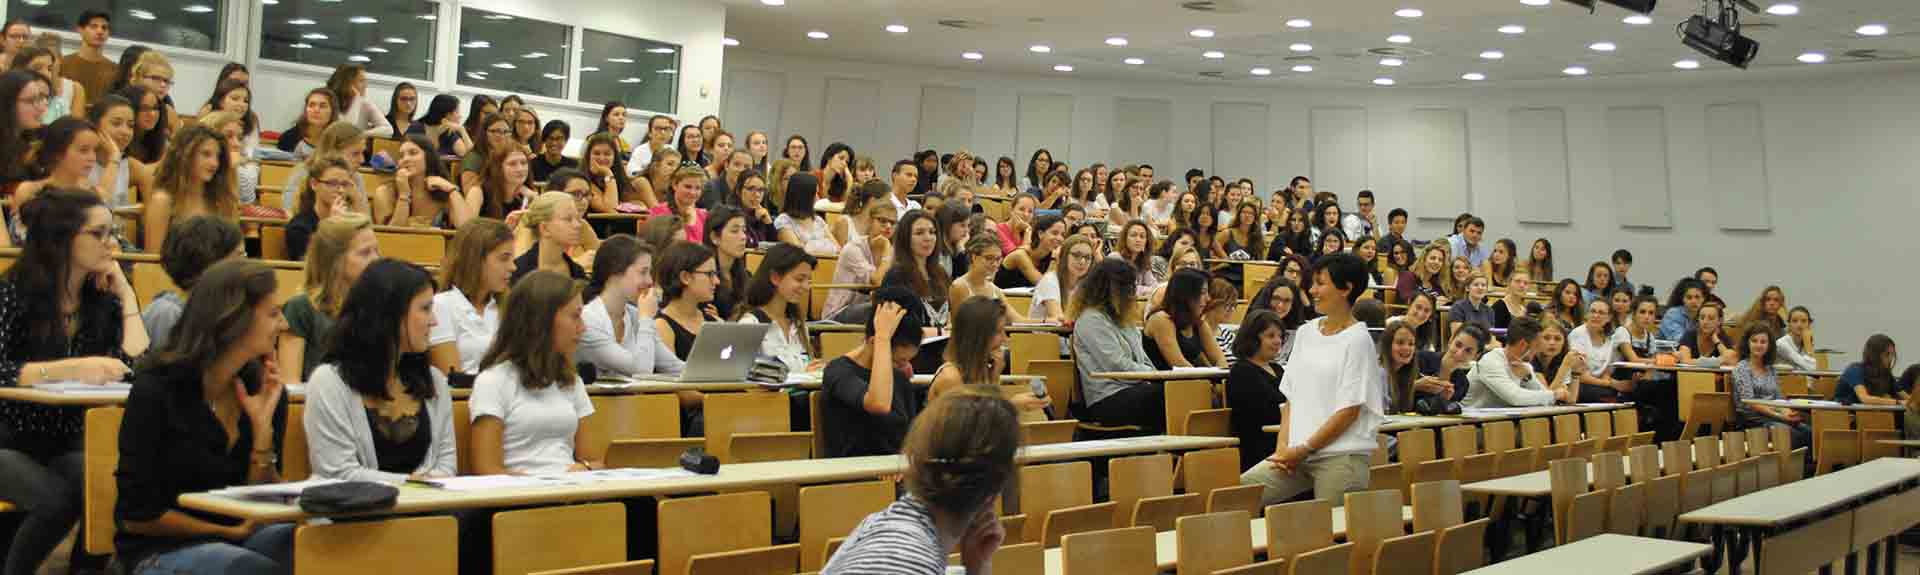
x,y
340,441
1101,345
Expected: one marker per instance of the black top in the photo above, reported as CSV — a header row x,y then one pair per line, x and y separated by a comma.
x,y
1692,341
1192,346
299,230
98,335
171,444
682,338
290,139
1428,363
849,429
1549,367
543,169
1012,278
530,261
401,443
1255,397
1501,317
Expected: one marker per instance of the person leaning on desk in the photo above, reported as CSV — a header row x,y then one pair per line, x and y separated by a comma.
x,y
1503,377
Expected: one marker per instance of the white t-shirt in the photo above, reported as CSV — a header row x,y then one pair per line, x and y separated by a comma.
x,y
1325,374
538,425
1047,290
468,329
789,346
814,235
1599,355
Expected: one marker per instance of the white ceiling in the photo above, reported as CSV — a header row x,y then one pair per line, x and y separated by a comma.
x,y
1447,40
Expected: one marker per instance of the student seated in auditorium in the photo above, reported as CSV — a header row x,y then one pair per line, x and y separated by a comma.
x,y
529,405
960,457
322,196
556,225
774,295
1756,378
1334,391
1622,261
1710,279
422,193
1501,264
194,245
1222,297
1708,340
870,398
1594,346
1550,356
916,267
1024,265
1420,316
1770,308
341,249
867,254
1467,243
1473,307
1683,308
1444,373
1504,376
1177,335
1430,275
1058,287
1870,381
1107,338
1796,343
621,337
727,237
213,376
978,281
376,411
467,314
1566,306
974,357
193,179
1513,302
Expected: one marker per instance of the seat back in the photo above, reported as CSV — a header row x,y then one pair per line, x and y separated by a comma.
x,y
1536,432
649,453
1329,560
1130,479
1626,422
1405,555
1028,346
1372,518
102,449
1566,428
828,511
1757,437
1871,447
1460,548
1517,462
1239,497
1706,452
294,465
1209,469
1299,527
1696,489
1710,411
1080,519
1838,448
1128,551
1059,374
641,567
773,560
1436,505
426,545
638,416
1733,446
1568,479
1183,398
688,526
1460,441
1500,436
1416,445
1044,488
744,412
1662,497
545,538
1808,548
771,446
1626,509
1161,512
1676,457
1586,516
1213,541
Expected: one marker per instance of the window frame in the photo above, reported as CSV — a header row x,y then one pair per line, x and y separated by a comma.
x,y
256,24
679,58
570,98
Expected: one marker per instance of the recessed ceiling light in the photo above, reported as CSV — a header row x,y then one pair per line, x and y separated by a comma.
x,y
971,55
589,68
361,19
359,58
1383,81
620,60
1687,64
1201,32
1513,29
1473,76
477,44
774,2
1062,68
1400,39
1784,9
1812,58
498,17
1299,23
1040,48
395,40
428,17
300,45
1301,47
1135,61
1116,41
266,2
1492,55
1638,19
197,9
534,55
1871,30
1303,68
897,28
1213,54
313,36
666,71
301,22
505,65
626,80
1391,62
141,14
553,76
1409,13
729,42
660,50
1602,47
376,50
1575,71
818,35
1261,71
1534,2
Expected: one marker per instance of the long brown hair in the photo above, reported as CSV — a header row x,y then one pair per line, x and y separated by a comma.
x,y
176,171
1109,287
219,312
466,266
960,450
1400,380
497,192
329,246
525,338
975,322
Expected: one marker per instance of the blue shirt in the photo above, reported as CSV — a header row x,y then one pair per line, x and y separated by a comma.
x,y
1856,375
1676,323
1476,254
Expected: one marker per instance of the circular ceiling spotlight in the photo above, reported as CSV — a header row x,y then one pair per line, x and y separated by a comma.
x,y
1492,55
1638,20
1812,58
1213,54
1135,61
1303,68
1409,13
1383,81
1512,29
1062,68
971,55
897,28
1040,48
1201,32
1784,9
1299,23
1871,30
1116,41
1400,39
1301,47
1261,71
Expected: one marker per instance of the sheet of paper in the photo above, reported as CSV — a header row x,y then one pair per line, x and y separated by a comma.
x,y
272,491
81,388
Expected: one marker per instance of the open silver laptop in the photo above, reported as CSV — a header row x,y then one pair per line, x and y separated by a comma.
x,y
723,352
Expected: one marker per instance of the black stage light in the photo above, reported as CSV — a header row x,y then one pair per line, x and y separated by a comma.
x,y
1718,41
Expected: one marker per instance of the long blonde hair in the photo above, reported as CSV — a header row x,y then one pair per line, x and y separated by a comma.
x,y
324,255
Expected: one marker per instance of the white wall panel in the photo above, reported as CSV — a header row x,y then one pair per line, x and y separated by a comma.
x,y
1737,167
1142,132
1239,140
1339,150
1046,121
1637,158
1537,141
849,115
751,101
1437,153
946,118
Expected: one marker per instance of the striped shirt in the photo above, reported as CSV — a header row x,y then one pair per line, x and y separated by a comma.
x,y
897,540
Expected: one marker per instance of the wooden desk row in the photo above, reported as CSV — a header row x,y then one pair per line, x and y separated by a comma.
x,y
1810,523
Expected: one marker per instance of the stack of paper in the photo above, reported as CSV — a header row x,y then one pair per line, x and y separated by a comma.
x,y
80,388
486,482
272,491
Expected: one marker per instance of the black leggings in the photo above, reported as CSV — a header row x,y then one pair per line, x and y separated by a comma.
x,y
1141,404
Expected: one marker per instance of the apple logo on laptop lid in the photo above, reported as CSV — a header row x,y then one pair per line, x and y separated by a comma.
x,y
726,353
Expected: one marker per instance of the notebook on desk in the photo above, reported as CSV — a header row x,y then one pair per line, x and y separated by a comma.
x,y
723,352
